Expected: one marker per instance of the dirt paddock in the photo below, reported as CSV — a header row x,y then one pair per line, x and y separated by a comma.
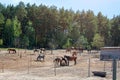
x,y
23,66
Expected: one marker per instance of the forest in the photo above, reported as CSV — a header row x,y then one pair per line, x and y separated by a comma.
x,y
31,26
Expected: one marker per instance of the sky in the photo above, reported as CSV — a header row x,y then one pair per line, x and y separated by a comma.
x,y
108,8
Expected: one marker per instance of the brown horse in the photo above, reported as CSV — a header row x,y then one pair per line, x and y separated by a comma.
x,y
13,50
74,54
71,58
68,50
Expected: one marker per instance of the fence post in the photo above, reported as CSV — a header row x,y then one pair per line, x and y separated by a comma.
x,y
89,53
54,65
28,64
55,69
104,65
114,69
2,67
118,63
89,68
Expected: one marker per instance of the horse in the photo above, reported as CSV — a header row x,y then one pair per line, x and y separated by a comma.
x,y
80,50
68,50
60,61
41,57
13,50
71,58
57,61
74,54
64,62
36,50
42,50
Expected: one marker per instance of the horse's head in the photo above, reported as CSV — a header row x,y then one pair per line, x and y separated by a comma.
x,y
74,54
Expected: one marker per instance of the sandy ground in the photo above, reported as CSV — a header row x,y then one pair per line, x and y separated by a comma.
x,y
23,66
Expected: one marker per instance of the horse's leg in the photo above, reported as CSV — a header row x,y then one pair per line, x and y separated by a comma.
x,y
68,63
60,62
75,61
43,59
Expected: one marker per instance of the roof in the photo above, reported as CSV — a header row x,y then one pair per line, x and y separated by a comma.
x,y
103,48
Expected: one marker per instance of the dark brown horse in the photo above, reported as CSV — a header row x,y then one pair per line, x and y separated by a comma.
x,y
11,50
42,50
41,57
71,58
60,61
57,61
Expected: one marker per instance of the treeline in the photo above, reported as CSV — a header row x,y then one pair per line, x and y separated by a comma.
x,y
32,26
